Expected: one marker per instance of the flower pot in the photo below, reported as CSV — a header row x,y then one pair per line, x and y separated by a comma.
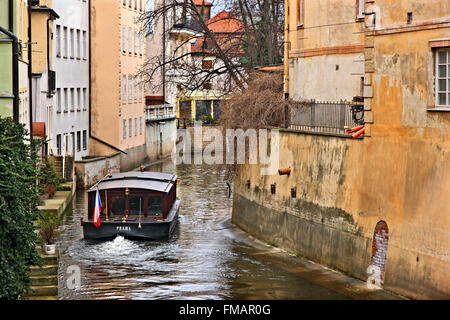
x,y
50,249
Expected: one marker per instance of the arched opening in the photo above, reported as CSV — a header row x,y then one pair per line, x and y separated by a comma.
x,y
379,253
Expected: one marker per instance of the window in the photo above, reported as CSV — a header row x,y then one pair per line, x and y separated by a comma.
x,y
140,125
84,45
135,88
135,42
84,139
58,41
300,12
443,77
78,99
85,99
130,129
130,88
207,64
78,44
72,44
65,42
360,9
72,99
58,100
58,144
140,43
136,204
154,206
66,100
124,88
129,40
135,127
124,129
140,89
78,141
124,39
117,205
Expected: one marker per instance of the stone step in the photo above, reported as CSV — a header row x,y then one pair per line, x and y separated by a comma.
x,y
44,280
46,270
43,291
39,298
49,259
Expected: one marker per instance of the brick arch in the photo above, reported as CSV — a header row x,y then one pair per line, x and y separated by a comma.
x,y
380,246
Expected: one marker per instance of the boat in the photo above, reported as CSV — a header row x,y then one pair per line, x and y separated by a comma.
x,y
135,205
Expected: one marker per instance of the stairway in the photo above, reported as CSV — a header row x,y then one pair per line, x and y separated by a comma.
x,y
44,281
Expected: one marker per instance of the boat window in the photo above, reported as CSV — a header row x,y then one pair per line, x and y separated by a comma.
x,y
136,205
118,205
154,206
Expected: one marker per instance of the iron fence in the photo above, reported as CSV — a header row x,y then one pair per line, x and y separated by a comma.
x,y
328,117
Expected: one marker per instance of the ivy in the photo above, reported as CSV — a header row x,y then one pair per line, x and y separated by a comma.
x,y
18,208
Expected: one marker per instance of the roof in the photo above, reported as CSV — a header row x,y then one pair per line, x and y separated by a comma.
x,y
202,2
156,181
224,22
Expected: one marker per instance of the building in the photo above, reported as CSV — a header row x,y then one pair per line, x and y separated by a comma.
x,y
14,73
43,76
373,206
117,95
70,134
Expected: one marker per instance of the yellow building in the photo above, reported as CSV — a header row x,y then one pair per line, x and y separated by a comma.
x,y
117,97
375,207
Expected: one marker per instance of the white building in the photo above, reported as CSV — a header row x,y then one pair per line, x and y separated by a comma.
x,y
70,125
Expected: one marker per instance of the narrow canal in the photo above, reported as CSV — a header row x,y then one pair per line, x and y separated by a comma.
x,y
208,258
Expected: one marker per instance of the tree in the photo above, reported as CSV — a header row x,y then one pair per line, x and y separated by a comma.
x,y
18,208
246,34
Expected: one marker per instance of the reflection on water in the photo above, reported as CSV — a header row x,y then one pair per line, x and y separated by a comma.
x,y
203,260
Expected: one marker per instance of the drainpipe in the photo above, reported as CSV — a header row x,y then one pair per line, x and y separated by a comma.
x,y
30,73
164,52
286,49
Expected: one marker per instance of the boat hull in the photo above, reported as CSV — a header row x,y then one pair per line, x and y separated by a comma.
x,y
147,229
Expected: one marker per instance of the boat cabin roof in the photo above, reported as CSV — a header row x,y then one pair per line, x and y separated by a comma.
x,y
155,181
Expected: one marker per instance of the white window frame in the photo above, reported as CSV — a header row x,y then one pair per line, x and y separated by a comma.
x,y
445,78
58,41
130,88
124,88
124,128
130,129
361,4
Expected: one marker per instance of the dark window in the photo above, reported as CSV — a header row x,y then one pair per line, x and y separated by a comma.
x,y
136,205
217,109
154,206
202,109
78,141
117,205
58,143
84,139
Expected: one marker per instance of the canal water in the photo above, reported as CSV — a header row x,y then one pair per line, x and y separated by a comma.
x,y
207,258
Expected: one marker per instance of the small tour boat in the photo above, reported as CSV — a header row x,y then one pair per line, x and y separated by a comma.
x,y
139,205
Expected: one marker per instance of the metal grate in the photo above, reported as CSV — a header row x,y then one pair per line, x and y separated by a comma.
x,y
329,117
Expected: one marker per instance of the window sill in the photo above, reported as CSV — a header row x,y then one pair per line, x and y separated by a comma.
x,y
65,111
439,109
300,26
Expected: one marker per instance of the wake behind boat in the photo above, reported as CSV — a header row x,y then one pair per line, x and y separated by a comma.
x,y
141,205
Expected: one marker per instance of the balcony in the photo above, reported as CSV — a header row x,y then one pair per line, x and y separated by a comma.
x,y
161,112
326,117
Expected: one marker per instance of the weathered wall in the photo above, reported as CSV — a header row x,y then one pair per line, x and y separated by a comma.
x,y
158,149
89,171
344,188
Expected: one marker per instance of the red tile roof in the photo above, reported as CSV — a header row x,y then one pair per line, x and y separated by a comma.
x,y
224,22
202,2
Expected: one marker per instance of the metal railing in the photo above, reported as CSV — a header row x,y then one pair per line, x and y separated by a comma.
x,y
327,117
159,112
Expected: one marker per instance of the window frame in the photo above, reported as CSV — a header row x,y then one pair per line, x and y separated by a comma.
x,y
446,78
300,13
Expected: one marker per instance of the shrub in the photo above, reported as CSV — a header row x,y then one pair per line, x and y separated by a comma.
x,y
18,208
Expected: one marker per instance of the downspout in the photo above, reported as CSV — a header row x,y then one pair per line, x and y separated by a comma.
x,y
286,60
30,73
164,52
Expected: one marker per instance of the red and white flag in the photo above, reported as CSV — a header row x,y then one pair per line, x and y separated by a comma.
x,y
97,210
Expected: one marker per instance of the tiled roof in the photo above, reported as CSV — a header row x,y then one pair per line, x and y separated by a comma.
x,y
202,2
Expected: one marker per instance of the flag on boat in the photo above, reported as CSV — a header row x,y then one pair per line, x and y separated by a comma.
x,y
97,210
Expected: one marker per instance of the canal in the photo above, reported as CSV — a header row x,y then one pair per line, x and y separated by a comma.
x,y
207,258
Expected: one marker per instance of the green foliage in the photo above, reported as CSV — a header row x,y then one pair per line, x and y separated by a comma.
x,y
49,179
48,222
208,119
18,208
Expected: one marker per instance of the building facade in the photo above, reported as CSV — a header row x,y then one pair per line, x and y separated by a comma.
x,y
117,95
375,206
70,134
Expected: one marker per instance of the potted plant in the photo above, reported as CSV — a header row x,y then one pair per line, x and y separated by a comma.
x,y
48,222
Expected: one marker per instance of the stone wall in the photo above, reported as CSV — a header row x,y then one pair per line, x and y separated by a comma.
x,y
352,208
89,171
